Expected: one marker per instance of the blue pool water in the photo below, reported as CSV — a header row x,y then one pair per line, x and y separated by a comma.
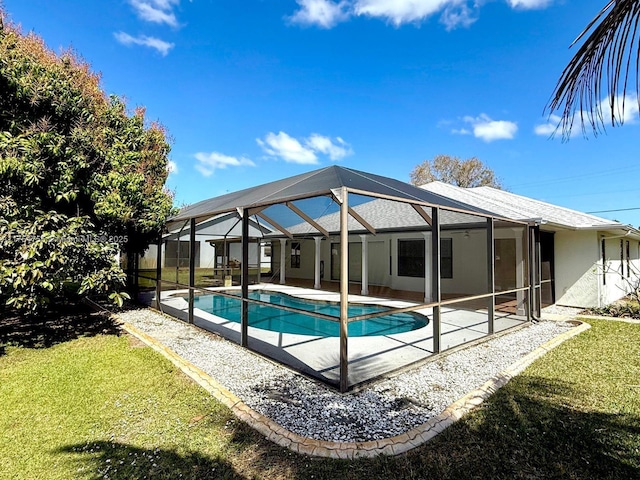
x,y
277,320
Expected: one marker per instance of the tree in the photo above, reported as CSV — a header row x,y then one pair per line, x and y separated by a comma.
x,y
463,173
610,54
82,179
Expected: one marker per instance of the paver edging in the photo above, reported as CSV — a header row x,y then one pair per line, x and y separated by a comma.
x,y
349,450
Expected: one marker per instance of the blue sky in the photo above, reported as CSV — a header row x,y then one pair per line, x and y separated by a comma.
x,y
256,90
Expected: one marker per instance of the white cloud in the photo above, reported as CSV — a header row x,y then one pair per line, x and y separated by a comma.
x,y
490,130
335,151
459,16
625,109
453,13
172,167
210,162
402,11
460,131
324,13
304,151
288,148
627,115
156,11
151,42
548,128
529,4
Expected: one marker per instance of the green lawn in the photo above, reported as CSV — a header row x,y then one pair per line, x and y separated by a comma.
x,y
103,406
203,276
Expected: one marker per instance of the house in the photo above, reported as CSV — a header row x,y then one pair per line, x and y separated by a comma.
x,y
424,269
585,260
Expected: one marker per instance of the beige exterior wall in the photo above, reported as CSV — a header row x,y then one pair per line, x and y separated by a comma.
x,y
582,280
577,259
620,275
469,261
576,272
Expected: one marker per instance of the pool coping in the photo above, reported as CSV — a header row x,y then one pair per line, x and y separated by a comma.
x,y
350,450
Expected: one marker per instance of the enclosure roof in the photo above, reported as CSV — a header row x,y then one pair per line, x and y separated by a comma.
x,y
386,215
517,207
318,182
226,225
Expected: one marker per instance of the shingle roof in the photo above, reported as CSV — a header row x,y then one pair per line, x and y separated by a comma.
x,y
518,207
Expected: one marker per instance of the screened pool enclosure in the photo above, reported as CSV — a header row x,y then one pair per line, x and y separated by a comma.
x,y
343,275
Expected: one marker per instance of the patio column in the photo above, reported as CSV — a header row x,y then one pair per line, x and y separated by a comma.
x,y
192,265
435,276
283,259
365,265
244,280
491,254
316,283
520,295
428,298
344,290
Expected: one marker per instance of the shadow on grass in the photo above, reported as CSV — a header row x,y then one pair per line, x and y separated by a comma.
x,y
527,430
59,324
113,460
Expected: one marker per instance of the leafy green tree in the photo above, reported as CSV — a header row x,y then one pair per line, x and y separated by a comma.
x,y
81,178
462,173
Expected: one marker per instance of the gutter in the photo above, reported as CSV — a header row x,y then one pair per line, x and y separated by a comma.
x,y
616,236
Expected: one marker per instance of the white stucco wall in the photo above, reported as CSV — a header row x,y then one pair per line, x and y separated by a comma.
x,y
619,281
576,269
377,253
235,252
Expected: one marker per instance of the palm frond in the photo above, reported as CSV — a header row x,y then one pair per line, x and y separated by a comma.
x,y
606,59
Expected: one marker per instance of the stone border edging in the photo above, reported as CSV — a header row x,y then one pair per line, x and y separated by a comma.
x,y
350,450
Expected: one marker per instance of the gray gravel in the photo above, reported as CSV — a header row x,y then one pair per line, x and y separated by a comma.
x,y
389,407
561,310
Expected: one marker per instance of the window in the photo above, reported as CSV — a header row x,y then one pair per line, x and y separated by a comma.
x,y
295,254
446,257
411,258
604,263
628,260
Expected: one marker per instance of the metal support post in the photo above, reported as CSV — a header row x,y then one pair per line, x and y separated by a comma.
x,y
435,276
491,254
344,291
244,280
192,265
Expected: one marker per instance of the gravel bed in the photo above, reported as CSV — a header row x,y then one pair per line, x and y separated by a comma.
x,y
560,310
386,408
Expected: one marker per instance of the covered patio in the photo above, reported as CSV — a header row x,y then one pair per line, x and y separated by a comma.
x,y
402,274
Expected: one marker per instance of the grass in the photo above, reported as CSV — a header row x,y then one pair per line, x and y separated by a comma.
x,y
102,406
203,276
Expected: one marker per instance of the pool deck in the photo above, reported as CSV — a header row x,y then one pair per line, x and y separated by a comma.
x,y
369,357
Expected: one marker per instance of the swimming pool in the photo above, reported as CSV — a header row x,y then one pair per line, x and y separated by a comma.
x,y
277,320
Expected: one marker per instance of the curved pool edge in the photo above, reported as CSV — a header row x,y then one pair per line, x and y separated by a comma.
x,y
351,450
421,316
